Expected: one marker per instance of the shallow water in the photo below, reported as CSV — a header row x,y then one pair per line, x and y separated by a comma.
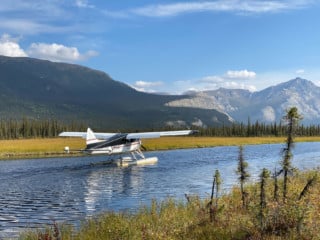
x,y
39,191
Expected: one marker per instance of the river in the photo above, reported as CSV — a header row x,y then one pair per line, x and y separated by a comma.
x,y
35,192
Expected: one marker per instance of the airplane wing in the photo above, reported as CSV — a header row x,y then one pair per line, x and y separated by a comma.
x,y
159,134
129,135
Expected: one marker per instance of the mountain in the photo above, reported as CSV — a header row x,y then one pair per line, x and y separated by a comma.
x,y
268,105
40,89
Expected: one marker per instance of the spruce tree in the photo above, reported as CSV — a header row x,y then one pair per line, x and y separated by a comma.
x,y
244,175
263,200
292,119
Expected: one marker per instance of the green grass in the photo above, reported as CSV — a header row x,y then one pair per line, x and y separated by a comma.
x,y
171,219
181,219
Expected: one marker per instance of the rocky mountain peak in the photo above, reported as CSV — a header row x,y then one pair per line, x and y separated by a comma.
x,y
298,84
268,105
39,89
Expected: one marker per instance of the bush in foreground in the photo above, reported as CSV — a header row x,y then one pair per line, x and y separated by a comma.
x,y
297,218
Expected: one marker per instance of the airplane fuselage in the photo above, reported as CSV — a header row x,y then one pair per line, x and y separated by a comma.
x,y
115,145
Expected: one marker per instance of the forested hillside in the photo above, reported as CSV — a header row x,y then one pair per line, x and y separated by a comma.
x,y
38,89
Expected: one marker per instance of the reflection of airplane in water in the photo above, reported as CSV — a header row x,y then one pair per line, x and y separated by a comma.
x,y
121,143
114,188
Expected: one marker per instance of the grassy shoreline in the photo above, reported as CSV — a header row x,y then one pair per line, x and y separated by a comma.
x,y
298,218
53,147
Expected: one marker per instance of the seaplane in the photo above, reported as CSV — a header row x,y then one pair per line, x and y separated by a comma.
x,y
122,144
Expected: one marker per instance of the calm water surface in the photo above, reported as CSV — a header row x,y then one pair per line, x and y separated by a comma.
x,y
40,191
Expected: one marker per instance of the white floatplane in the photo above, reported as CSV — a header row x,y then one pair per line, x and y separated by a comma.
x,y
121,143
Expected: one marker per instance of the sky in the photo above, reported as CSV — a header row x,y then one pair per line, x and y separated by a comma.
x,y
170,46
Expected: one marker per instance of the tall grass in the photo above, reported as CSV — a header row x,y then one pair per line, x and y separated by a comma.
x,y
299,218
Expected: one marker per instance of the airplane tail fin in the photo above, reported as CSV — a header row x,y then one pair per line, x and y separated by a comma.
x,y
91,138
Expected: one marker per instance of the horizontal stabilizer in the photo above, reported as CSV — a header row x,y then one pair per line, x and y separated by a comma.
x,y
84,135
73,134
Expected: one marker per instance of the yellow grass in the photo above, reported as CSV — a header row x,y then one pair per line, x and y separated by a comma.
x,y
47,146
200,142
55,146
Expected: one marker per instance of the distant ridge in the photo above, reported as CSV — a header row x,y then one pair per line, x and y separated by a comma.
x,y
268,105
42,89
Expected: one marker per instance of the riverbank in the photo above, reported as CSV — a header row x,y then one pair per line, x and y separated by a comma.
x,y
224,217
39,147
201,142
54,147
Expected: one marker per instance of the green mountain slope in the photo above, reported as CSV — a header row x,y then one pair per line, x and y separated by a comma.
x,y
42,89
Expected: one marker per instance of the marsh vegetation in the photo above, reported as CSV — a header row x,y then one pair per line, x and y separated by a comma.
x,y
248,211
263,217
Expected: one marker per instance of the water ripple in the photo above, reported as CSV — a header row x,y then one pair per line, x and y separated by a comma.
x,y
40,191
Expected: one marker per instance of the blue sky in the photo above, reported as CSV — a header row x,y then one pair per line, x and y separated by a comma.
x,y
171,46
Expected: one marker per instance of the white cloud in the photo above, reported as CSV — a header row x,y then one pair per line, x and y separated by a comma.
x,y
212,82
84,4
234,75
144,86
38,7
236,85
147,84
212,79
242,74
29,17
260,82
58,52
238,6
30,27
10,47
231,79
300,71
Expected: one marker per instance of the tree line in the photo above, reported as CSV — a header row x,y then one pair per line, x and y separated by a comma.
x,y
31,128
258,129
